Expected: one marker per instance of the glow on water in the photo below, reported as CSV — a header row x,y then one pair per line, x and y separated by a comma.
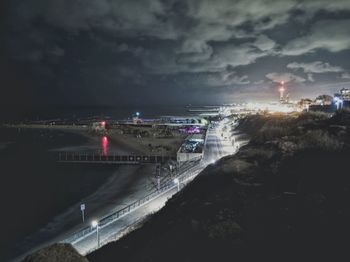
x,y
104,146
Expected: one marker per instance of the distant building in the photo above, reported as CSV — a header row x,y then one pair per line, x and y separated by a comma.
x,y
342,99
192,149
345,94
136,120
323,103
184,120
323,100
99,126
304,104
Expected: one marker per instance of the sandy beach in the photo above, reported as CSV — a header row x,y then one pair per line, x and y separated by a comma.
x,y
125,139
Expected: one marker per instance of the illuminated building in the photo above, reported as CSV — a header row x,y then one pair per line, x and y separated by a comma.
x,y
345,94
342,99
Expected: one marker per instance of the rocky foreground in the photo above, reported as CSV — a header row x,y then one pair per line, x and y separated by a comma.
x,y
285,196
56,253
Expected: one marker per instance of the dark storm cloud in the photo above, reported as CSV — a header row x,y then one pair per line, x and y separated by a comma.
x,y
171,44
331,35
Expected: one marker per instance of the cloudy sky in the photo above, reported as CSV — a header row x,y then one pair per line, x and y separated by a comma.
x,y
121,52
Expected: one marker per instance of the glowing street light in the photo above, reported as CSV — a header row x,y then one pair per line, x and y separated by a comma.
x,y
82,209
95,224
177,182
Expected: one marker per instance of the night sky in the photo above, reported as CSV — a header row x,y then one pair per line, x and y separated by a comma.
x,y
152,52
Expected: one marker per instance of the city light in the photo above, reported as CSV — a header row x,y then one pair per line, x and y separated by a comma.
x,y
338,102
94,223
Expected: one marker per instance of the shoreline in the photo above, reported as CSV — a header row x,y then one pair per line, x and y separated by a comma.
x,y
123,185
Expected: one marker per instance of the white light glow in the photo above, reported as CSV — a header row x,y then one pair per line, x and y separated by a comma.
x,y
94,223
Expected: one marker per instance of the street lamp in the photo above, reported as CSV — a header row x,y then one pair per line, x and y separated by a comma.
x,y
94,224
82,208
177,182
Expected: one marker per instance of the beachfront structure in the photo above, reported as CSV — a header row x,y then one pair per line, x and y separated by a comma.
x,y
183,120
99,126
192,149
345,94
323,100
342,99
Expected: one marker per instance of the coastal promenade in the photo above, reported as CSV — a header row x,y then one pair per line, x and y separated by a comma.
x,y
115,225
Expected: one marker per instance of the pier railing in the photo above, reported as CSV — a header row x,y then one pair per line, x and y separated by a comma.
x,y
74,157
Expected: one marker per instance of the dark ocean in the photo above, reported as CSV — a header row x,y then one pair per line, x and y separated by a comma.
x,y
35,188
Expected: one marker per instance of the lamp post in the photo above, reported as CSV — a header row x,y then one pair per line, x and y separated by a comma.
x,y
158,177
95,224
177,182
82,208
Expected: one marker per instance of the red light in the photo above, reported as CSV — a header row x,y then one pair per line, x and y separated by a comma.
x,y
104,145
103,123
